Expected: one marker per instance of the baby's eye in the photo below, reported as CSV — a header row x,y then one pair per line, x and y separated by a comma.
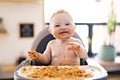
x,y
57,25
67,24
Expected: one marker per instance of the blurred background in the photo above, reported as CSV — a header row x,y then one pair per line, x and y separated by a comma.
x,y
22,20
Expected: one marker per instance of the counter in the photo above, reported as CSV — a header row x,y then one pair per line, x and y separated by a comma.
x,y
111,66
7,72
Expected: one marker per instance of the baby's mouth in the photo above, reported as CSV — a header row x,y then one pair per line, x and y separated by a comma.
x,y
63,32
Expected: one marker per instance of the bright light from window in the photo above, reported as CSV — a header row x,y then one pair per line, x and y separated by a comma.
x,y
86,11
82,31
82,11
98,37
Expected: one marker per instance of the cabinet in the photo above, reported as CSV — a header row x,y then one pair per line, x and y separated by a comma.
x,y
29,1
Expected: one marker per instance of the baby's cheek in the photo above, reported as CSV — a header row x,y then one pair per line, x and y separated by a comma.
x,y
56,35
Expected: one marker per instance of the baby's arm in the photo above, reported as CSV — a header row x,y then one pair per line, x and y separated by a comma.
x,y
78,48
43,58
34,55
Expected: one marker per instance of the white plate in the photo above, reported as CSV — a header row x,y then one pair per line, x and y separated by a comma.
x,y
98,72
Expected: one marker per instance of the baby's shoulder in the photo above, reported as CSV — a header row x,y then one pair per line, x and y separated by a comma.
x,y
51,42
75,39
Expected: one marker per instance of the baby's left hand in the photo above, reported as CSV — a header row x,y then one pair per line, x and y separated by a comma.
x,y
78,48
73,46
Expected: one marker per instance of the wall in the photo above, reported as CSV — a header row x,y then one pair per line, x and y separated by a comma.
x,y
27,1
12,46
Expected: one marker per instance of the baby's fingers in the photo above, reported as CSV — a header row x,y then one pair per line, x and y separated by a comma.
x,y
33,55
70,47
73,46
31,52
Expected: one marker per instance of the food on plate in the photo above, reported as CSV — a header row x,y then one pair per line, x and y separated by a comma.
x,y
54,72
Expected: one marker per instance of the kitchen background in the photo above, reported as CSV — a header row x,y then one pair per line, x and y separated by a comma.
x,y
13,14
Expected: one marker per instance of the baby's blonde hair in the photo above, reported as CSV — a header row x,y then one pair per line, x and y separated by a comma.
x,y
60,11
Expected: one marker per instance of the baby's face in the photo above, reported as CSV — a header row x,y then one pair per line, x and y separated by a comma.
x,y
61,26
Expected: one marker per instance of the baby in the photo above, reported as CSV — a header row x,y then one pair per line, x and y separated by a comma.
x,y
64,49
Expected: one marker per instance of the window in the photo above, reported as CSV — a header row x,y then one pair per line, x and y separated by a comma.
x,y
92,13
82,31
98,37
82,11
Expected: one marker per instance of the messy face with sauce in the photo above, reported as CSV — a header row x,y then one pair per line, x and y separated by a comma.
x,y
61,25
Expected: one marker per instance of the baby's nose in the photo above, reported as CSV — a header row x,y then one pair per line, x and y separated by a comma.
x,y
63,27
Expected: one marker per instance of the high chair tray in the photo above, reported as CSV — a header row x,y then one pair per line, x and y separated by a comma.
x,y
53,73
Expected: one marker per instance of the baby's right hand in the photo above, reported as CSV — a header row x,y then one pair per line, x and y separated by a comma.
x,y
33,55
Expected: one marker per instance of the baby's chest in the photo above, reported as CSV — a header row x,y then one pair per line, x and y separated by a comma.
x,y
62,52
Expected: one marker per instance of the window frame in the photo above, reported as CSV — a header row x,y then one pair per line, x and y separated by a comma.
x,y
90,34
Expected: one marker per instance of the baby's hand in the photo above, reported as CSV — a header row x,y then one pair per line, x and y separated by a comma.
x,y
73,46
33,55
78,49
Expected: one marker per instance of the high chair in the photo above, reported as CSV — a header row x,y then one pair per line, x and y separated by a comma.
x,y
39,45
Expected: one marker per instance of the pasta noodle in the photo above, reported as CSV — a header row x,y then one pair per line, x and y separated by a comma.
x,y
60,72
